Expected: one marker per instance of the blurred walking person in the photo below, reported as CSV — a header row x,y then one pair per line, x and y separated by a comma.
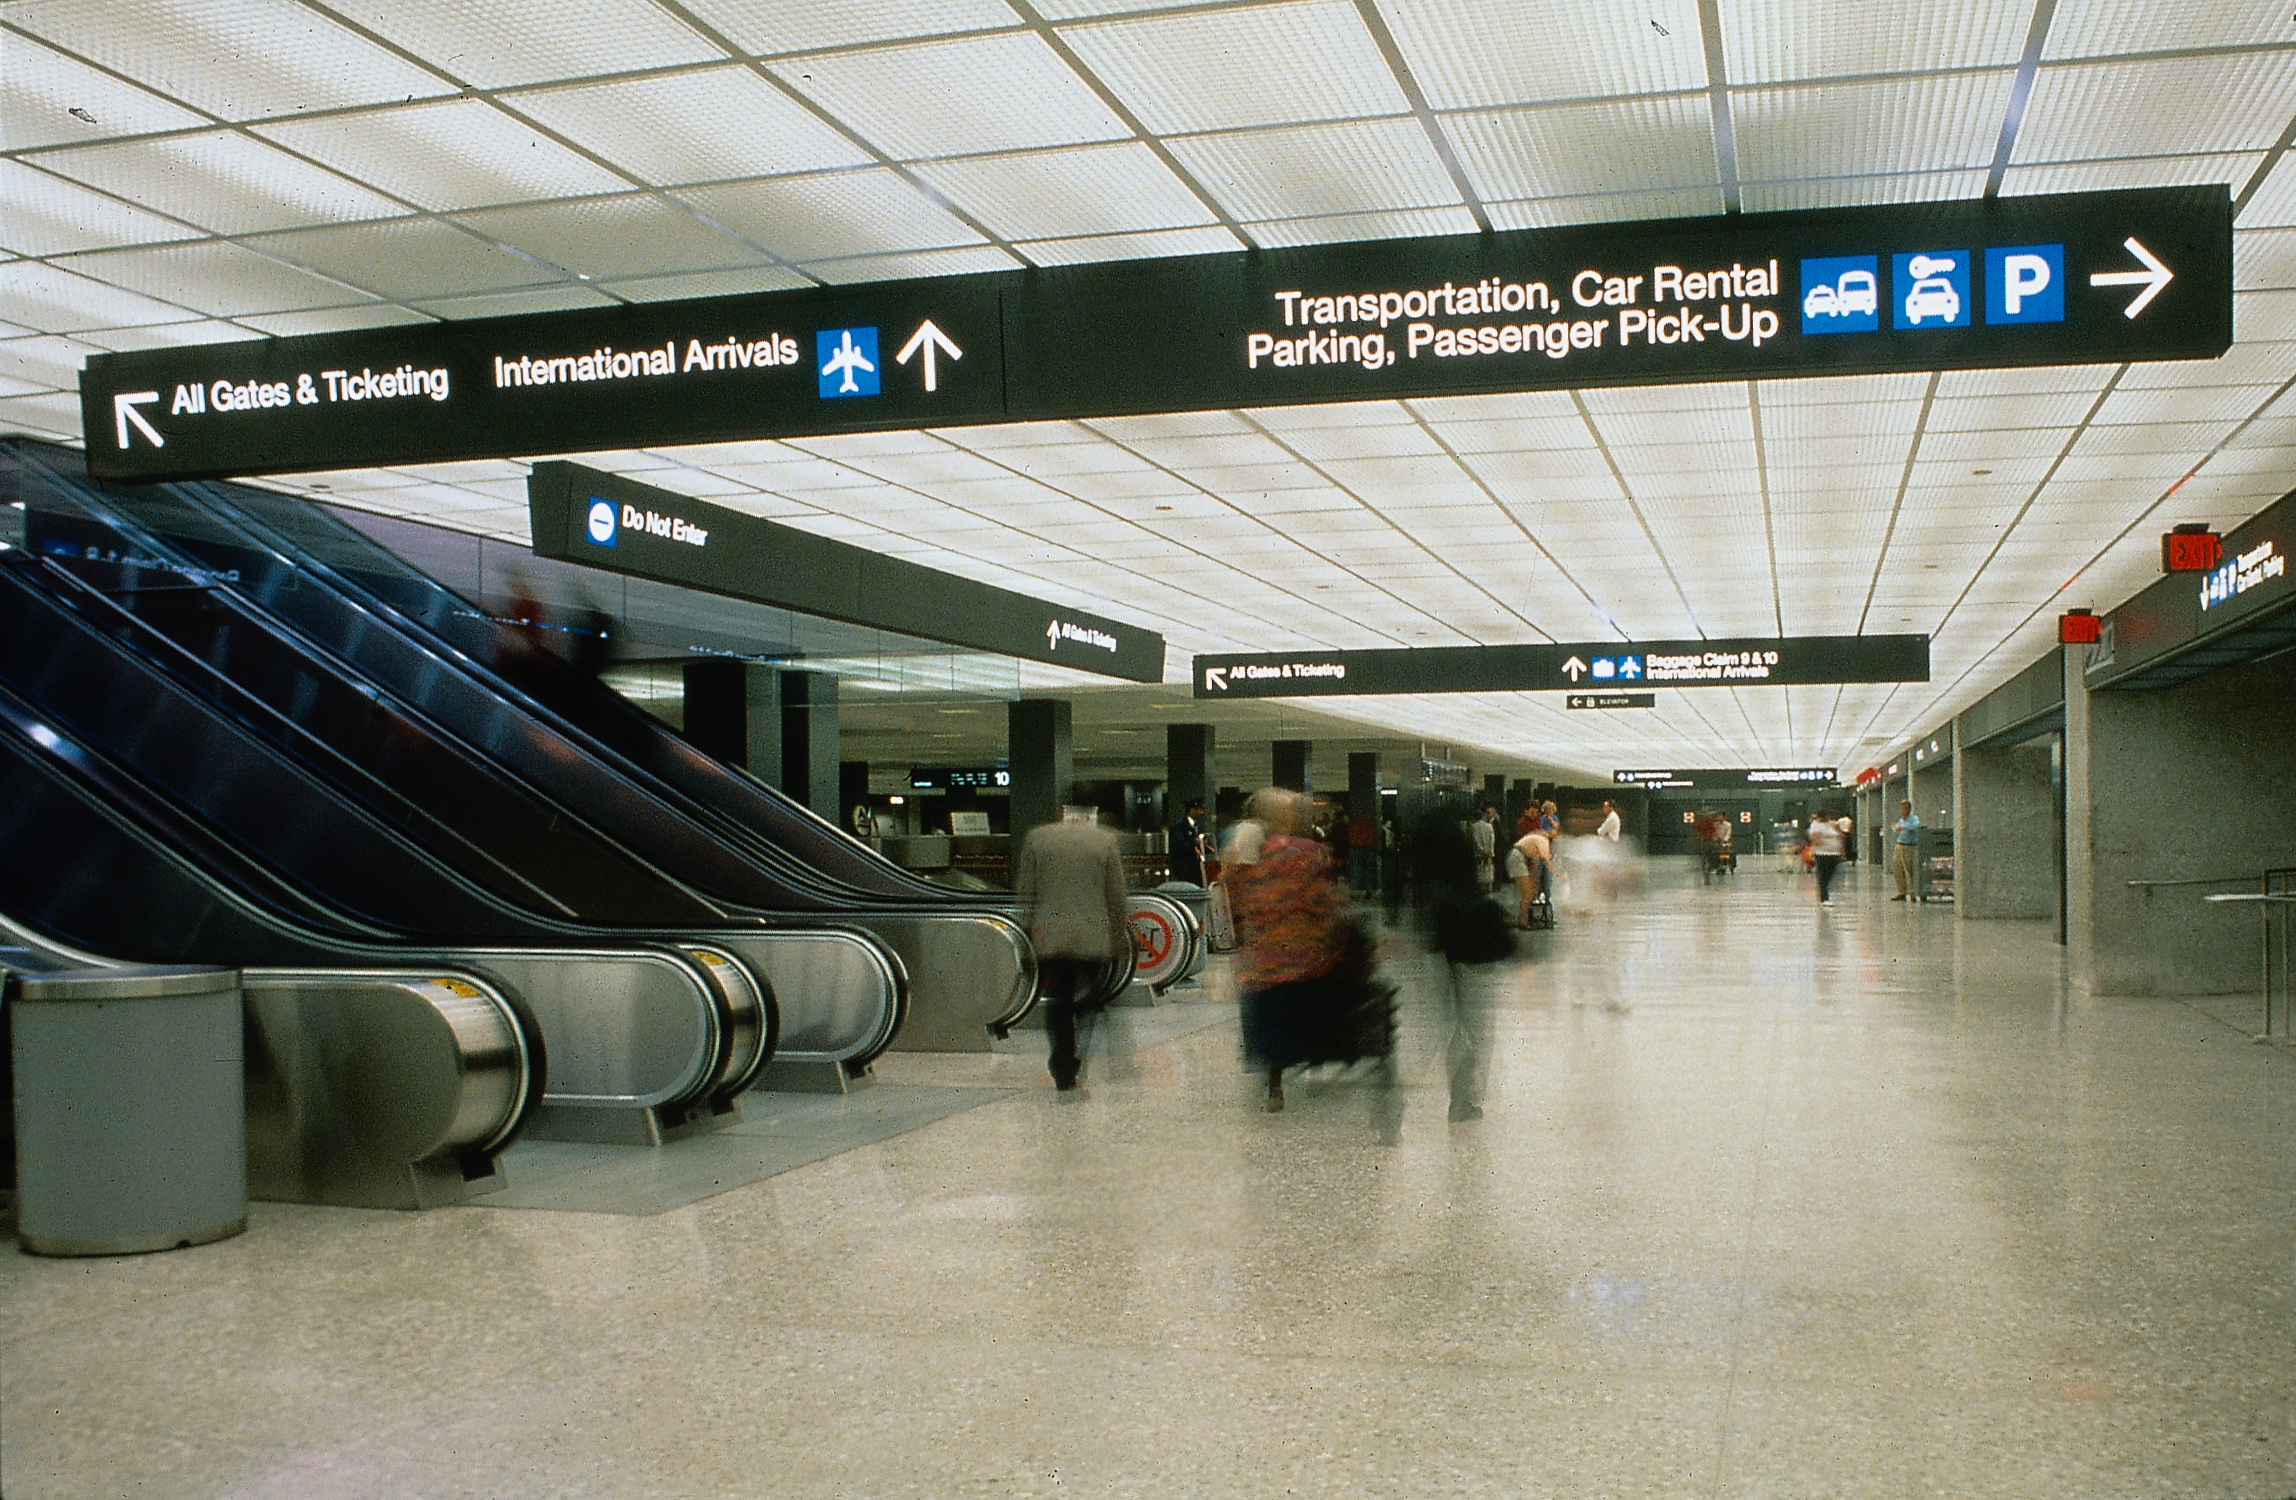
x,y
1289,912
1070,880
1826,844
1467,936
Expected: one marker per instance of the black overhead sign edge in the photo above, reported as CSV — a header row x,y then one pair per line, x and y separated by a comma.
x,y
2015,282
1563,667
605,521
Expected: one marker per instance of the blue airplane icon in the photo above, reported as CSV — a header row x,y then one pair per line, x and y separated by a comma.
x,y
852,354
1630,667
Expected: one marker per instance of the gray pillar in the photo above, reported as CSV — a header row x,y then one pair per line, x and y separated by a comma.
x,y
733,713
2004,832
852,790
1495,790
1190,770
1292,769
1043,760
1363,785
2178,783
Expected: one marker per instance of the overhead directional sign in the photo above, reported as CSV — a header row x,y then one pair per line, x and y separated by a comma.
x,y
1765,776
1514,669
606,521
1611,700
2090,278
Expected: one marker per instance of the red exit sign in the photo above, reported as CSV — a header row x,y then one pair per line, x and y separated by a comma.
x,y
2191,549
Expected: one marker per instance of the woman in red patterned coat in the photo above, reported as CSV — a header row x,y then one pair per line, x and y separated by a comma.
x,y
1289,915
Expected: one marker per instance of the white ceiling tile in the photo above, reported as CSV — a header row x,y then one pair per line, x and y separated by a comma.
x,y
46,363
1318,170
1959,383
2233,168
1093,190
1856,129
1466,53
2275,202
2247,362
2264,259
55,415
1769,41
55,301
629,235
1841,192
501,43
332,319
685,284
2092,28
770,26
456,153
955,98
2052,409
1211,240
560,298
2229,403
406,258
2264,316
964,261
130,337
48,216
212,276
1400,224
220,180
700,126
1627,146
237,59
840,214
1209,70
44,96
2083,111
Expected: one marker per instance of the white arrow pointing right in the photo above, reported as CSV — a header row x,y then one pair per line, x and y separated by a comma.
x,y
2152,278
1215,677
124,411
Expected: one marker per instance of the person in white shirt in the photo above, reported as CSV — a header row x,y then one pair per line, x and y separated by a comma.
x,y
1611,823
1826,843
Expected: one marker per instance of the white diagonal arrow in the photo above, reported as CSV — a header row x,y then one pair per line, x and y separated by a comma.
x,y
2152,278
928,338
1573,667
124,411
1216,677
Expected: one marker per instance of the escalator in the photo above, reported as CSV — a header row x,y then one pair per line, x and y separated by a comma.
x,y
570,742
670,1024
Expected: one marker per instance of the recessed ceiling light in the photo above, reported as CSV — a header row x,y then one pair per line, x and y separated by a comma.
x,y
1163,507
1980,473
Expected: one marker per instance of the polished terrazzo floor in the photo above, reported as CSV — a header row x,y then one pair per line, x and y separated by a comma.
x,y
1767,1202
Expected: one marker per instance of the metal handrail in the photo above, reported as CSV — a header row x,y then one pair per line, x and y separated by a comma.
x,y
2204,880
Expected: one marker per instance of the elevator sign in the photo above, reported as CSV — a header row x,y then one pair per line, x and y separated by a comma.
x,y
1502,669
2089,278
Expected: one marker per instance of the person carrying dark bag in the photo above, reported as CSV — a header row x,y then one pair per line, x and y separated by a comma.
x,y
1468,935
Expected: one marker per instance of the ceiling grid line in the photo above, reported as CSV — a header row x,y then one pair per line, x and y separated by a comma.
x,y
1897,503
2020,93
1718,97
1437,137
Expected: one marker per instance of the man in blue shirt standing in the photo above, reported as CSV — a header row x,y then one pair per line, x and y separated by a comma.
x,y
1907,849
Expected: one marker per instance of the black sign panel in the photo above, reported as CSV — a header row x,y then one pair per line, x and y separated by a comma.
x,y
2143,274
608,522
2211,618
1611,700
777,364
962,778
1502,669
1757,779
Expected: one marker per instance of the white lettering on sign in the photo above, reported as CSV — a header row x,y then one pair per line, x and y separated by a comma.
x,y
1709,666
1456,322
406,380
671,528
771,351
2260,564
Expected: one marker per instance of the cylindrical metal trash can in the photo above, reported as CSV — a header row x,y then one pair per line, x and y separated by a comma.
x,y
131,1109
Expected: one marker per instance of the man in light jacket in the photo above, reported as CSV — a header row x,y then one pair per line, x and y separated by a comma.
x,y
1070,878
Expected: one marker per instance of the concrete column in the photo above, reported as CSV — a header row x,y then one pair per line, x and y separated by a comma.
x,y
2180,783
1495,791
1191,772
852,790
1292,768
1363,785
809,742
733,713
1043,760
2004,833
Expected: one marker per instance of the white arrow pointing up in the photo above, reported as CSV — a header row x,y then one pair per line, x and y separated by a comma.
x,y
2152,278
1573,668
1215,677
124,411
928,338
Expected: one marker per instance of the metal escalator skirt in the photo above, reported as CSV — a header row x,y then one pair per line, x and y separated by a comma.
x,y
749,1021
628,1028
969,975
841,995
418,1061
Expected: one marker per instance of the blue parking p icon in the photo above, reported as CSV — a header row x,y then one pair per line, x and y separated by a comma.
x,y
2025,284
